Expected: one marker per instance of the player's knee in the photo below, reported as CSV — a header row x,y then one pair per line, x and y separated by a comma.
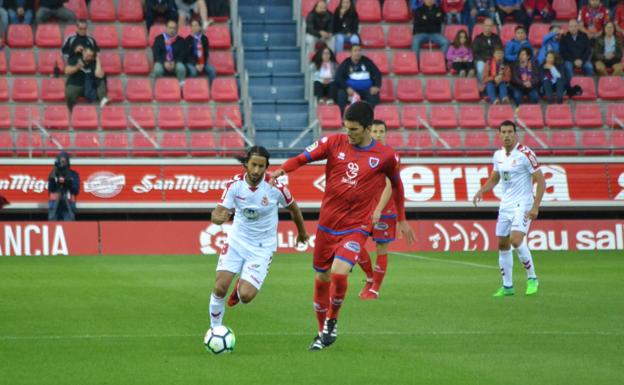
x,y
246,296
503,244
220,289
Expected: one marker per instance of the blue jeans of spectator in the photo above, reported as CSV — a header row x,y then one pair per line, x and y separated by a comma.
x,y
480,65
14,18
208,70
491,89
343,98
436,38
558,88
519,93
339,40
588,69
452,15
4,21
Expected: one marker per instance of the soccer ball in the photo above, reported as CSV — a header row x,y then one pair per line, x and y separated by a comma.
x,y
220,339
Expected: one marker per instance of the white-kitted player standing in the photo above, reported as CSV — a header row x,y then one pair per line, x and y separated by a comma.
x,y
253,238
516,167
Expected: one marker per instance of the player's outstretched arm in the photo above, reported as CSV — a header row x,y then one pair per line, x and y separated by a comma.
x,y
220,215
297,217
538,178
489,185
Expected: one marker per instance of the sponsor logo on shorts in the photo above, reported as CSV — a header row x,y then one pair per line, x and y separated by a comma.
x,y
352,246
256,279
381,226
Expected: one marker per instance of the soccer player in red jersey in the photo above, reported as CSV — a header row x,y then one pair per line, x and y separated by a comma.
x,y
355,173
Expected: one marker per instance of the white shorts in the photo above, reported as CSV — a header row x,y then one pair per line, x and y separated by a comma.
x,y
513,219
252,265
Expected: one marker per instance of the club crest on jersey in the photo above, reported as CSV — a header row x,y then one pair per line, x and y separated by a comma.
x,y
312,147
251,214
265,201
373,162
381,226
352,246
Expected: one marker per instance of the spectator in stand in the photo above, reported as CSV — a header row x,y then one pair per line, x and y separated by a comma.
x,y
428,27
453,10
4,22
592,18
415,4
77,41
63,188
525,78
550,43
55,9
319,26
188,8
539,8
197,48
576,51
511,8
345,25
483,47
618,18
165,9
358,78
86,78
513,47
324,66
459,55
608,52
497,77
20,11
553,78
218,8
169,53
479,8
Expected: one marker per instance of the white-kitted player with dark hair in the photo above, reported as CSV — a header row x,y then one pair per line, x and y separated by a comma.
x,y
253,238
516,167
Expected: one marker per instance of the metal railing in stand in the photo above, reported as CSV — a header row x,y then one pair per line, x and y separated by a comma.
x,y
303,133
144,133
616,120
530,132
239,131
433,132
46,134
243,76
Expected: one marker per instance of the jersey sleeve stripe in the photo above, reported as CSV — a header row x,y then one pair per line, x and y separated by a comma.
x,y
307,155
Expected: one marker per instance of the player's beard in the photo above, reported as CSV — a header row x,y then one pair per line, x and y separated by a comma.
x,y
255,179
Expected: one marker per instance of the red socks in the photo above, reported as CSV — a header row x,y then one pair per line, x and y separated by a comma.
x,y
337,292
365,263
380,272
321,301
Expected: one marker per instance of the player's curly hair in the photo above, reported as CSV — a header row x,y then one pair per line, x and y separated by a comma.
x,y
360,112
257,151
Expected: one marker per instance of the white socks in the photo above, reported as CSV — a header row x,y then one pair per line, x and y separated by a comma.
x,y
505,261
524,254
217,308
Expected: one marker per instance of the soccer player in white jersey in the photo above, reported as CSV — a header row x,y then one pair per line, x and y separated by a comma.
x,y
253,238
516,167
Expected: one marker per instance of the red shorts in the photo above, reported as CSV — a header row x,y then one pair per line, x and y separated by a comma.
x,y
345,247
385,230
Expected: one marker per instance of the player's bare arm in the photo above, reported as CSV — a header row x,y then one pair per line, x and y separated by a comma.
x,y
383,201
276,174
297,217
538,178
220,215
489,185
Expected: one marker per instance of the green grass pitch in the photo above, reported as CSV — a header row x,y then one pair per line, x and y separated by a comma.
x,y
140,320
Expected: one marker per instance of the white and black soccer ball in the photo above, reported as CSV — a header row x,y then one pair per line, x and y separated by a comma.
x,y
220,339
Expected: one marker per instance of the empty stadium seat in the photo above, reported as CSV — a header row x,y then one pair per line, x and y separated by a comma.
x,y
231,140
413,116
224,90
79,7
52,89
198,118
56,117
25,90
537,33
111,63
142,146
341,56
396,11
499,113
223,62
421,142
368,10
114,118
174,144
587,84
564,143
203,143
196,90
133,36
102,10
450,31
400,36
130,11
115,89
143,116
380,59
4,90
389,114
106,36
25,115
136,62
531,115
27,144
617,142
471,116
87,144
588,115
228,111
454,142
559,116
386,93
595,143
395,139
615,113
50,59
405,63
61,138
6,143
22,62
49,35
478,143
438,90
171,117
155,30
565,9
507,33
329,116
432,63
409,90
167,90
219,36
84,117
3,63
372,36
5,115
443,117
466,90
611,87
115,144
139,90
20,36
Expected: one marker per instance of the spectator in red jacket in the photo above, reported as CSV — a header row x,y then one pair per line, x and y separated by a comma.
x,y
592,18
541,8
618,19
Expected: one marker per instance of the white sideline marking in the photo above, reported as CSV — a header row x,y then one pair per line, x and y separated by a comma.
x,y
446,260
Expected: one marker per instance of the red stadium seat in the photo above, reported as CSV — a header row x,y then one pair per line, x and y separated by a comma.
x,y
184,31
617,142
413,116
537,33
56,117
368,10
611,88
228,111
155,30
22,62
130,11
114,118
5,116
115,144
139,90
405,63
231,140
219,36
50,59
24,116
443,117
396,11
421,142
478,143
432,63
400,36
587,84
395,139
341,56
49,36
26,142
471,116
143,116
372,36
196,90
115,89
84,117
52,89
106,36
174,144
224,90
69,29
198,117
531,115
477,30
566,9
564,143
453,140
588,116
62,138
438,90
20,36
307,6
499,113
450,31
25,90
79,7
6,143
111,63
133,36
136,62
203,144
615,113
223,62
559,116
389,114
4,90
167,90
409,90
595,143
102,10
466,90
329,116
380,59
3,63
386,93
508,32
171,117
142,146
